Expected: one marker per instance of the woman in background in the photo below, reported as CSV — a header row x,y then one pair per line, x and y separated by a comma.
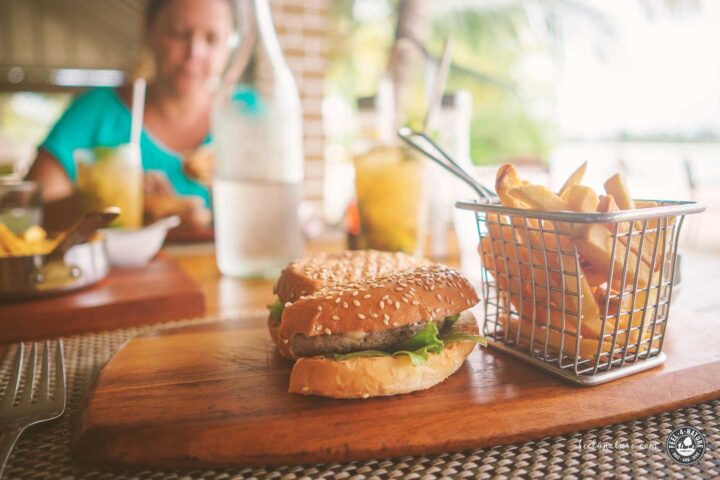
x,y
189,42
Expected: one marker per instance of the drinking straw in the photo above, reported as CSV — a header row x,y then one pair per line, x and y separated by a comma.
x,y
138,108
435,100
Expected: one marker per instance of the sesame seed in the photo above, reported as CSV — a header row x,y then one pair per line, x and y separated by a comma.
x,y
356,303
287,304
335,317
286,341
386,319
405,300
361,316
345,305
355,293
327,331
374,315
337,300
365,395
399,289
366,296
382,305
397,305
319,308
415,302
396,324
305,389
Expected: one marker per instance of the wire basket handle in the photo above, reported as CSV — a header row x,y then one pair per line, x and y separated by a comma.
x,y
422,143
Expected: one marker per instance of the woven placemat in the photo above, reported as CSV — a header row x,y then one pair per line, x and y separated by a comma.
x,y
630,450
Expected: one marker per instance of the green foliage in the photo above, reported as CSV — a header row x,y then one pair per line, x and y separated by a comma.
x,y
492,39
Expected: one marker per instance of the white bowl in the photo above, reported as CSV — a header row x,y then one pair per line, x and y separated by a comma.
x,y
136,247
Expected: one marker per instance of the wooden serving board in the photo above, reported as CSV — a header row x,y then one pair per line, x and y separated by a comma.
x,y
216,394
158,292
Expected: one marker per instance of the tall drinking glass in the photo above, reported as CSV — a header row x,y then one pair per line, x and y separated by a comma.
x,y
112,177
20,204
390,195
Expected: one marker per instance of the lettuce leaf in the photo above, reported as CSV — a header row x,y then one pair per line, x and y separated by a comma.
x,y
276,308
421,345
450,321
454,337
426,339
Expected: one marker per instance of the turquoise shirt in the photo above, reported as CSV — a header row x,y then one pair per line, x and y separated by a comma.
x,y
99,118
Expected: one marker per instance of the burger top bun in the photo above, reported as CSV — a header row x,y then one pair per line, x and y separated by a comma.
x,y
308,275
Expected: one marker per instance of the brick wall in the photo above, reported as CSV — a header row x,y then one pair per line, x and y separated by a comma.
x,y
302,27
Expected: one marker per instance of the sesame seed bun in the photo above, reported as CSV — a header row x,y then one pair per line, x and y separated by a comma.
x,y
375,304
363,377
308,275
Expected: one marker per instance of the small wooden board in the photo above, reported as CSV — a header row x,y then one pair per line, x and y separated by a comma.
x,y
216,394
159,292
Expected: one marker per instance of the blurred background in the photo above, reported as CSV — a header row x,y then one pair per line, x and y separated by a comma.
x,y
629,85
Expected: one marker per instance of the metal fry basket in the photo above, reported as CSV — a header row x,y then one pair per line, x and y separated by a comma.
x,y
585,296
546,304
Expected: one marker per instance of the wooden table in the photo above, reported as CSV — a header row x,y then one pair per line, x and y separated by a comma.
x,y
228,297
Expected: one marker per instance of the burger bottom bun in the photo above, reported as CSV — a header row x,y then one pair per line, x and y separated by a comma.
x,y
282,346
364,377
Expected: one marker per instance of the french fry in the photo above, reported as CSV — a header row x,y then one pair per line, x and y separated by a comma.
x,y
582,199
595,242
594,277
12,244
607,204
34,234
617,187
574,179
505,180
629,319
588,346
538,197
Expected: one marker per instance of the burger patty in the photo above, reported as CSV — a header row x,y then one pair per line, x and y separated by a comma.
x,y
304,346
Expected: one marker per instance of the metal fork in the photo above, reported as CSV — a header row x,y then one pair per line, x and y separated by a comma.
x,y
31,409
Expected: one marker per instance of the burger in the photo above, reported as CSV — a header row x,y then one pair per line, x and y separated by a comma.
x,y
366,323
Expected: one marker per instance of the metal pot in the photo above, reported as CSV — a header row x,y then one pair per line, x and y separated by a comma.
x,y
38,276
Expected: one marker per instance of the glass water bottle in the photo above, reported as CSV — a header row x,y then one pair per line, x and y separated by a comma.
x,y
257,129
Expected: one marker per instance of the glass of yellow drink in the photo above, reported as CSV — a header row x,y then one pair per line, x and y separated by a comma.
x,y
112,176
389,187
